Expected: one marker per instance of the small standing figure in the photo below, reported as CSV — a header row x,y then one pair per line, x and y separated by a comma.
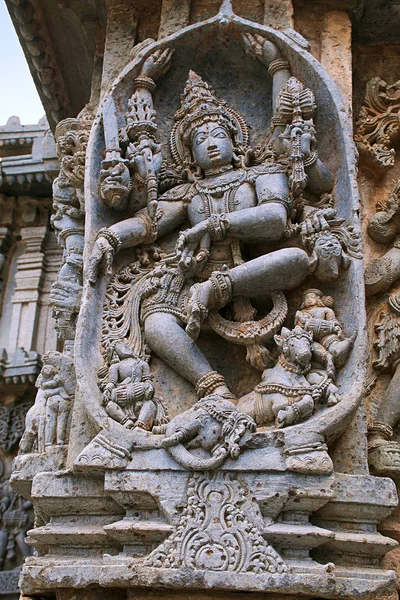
x,y
316,315
129,392
58,405
16,518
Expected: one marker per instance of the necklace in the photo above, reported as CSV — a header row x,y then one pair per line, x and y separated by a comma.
x,y
288,366
221,183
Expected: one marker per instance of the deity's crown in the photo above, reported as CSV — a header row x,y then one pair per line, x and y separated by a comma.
x,y
199,105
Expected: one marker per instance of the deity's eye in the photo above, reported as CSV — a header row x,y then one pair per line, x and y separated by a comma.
x,y
199,139
219,133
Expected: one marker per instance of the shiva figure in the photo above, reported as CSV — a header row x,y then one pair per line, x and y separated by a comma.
x,y
228,205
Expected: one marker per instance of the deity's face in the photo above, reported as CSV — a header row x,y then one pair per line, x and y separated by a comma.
x,y
48,371
310,299
212,147
330,257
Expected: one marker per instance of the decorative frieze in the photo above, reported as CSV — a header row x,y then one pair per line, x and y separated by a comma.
x,y
378,125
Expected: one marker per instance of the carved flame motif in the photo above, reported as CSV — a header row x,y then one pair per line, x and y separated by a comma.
x,y
215,531
378,123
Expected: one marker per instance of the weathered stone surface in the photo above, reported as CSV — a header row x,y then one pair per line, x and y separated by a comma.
x,y
203,429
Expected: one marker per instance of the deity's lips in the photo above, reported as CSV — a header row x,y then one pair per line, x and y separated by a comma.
x,y
214,154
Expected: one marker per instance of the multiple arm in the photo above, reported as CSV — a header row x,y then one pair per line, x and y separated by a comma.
x,y
263,223
319,178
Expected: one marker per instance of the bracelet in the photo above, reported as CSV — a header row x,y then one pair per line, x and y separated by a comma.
x,y
217,226
279,64
112,238
151,227
296,411
311,160
144,82
381,428
277,122
208,383
222,284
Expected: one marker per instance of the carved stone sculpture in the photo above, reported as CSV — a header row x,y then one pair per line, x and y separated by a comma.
x,y
316,315
380,275
378,123
128,391
48,421
208,399
289,391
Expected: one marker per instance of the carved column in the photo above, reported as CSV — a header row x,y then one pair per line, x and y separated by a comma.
x,y
29,280
336,54
122,24
5,241
175,15
278,15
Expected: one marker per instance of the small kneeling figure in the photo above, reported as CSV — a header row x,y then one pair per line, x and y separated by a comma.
x,y
285,394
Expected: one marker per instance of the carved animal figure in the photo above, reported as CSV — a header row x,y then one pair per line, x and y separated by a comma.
x,y
213,424
285,393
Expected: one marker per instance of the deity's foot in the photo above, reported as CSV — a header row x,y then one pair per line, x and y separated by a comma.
x,y
340,350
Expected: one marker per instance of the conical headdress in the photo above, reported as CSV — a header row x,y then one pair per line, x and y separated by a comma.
x,y
200,105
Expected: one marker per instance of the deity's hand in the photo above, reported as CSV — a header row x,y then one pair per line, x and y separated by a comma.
x,y
157,64
189,241
140,154
66,294
259,48
317,222
101,259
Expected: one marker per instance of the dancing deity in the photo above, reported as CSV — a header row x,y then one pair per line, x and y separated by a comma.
x,y
229,203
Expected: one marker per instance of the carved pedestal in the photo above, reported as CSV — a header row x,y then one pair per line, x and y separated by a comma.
x,y
243,527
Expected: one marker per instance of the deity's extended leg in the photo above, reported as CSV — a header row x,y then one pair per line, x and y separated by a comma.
x,y
281,270
166,337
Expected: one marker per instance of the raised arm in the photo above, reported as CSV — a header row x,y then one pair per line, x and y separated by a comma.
x,y
319,178
144,153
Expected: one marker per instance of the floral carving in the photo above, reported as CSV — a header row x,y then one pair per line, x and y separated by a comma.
x,y
378,125
216,531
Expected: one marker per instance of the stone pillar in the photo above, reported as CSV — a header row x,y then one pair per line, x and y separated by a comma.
x,y
278,15
5,241
29,280
336,54
122,23
175,15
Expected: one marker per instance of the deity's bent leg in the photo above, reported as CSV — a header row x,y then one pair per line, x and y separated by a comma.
x,y
281,270
166,337
51,421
